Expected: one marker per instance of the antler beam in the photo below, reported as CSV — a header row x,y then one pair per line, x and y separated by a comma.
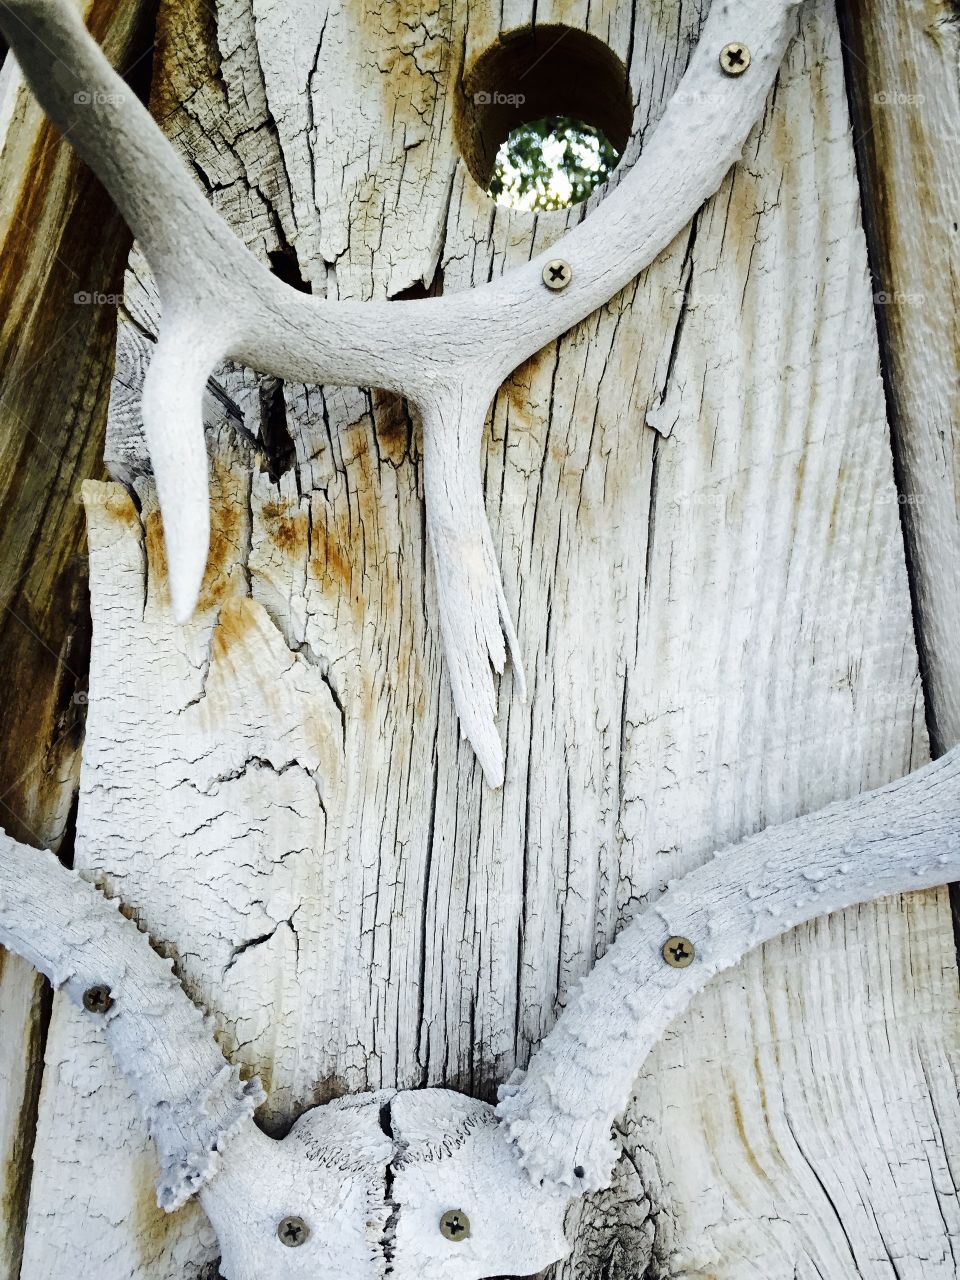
x,y
447,355
904,836
329,1170
192,1099
553,1140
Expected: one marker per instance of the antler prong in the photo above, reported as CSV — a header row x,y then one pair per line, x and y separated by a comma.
x,y
553,1140
193,1101
470,341
902,837
173,388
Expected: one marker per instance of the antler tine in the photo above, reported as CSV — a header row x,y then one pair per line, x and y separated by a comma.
x,y
474,617
455,349
194,1101
902,837
172,413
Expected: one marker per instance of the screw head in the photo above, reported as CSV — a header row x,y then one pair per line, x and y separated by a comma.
x,y
455,1225
292,1232
734,58
679,952
557,274
97,999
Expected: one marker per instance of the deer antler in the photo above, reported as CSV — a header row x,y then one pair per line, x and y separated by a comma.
x,y
514,1179
329,1170
447,355
194,1102
904,836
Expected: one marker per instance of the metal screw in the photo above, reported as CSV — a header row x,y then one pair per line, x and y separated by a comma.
x,y
97,999
455,1225
734,58
557,274
292,1232
679,952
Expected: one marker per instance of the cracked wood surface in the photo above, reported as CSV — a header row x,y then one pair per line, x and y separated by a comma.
x,y
694,492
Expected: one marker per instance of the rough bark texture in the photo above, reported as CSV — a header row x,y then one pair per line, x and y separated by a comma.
x,y
693,497
59,237
560,1112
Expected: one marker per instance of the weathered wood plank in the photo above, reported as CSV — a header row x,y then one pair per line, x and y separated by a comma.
x,y
902,65
716,622
59,237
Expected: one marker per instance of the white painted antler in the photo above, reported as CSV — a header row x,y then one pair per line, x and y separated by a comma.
x,y
193,1101
904,836
369,1178
330,1169
447,355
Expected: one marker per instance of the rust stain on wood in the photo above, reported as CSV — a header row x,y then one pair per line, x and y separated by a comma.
x,y
156,548
150,1224
330,564
754,1163
237,622
287,527
220,579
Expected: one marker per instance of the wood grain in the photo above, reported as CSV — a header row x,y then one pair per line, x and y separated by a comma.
x,y
59,237
694,493
902,66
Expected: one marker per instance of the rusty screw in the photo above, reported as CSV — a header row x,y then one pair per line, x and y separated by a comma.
x,y
292,1232
679,952
455,1225
557,274
734,58
97,999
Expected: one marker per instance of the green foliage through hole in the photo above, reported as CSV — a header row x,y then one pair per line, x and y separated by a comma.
x,y
551,163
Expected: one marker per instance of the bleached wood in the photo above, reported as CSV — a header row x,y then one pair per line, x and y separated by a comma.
x,y
906,93
371,1178
447,355
60,236
662,602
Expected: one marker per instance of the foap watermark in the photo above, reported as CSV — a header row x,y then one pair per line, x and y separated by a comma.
x,y
495,98
85,299
97,98
700,97
898,298
699,298
897,98
891,497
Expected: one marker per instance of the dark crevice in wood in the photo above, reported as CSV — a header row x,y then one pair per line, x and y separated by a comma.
x,y
418,290
869,174
870,169
285,265
276,441
15,1202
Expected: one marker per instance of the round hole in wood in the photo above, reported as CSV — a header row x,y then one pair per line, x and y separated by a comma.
x,y
540,84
